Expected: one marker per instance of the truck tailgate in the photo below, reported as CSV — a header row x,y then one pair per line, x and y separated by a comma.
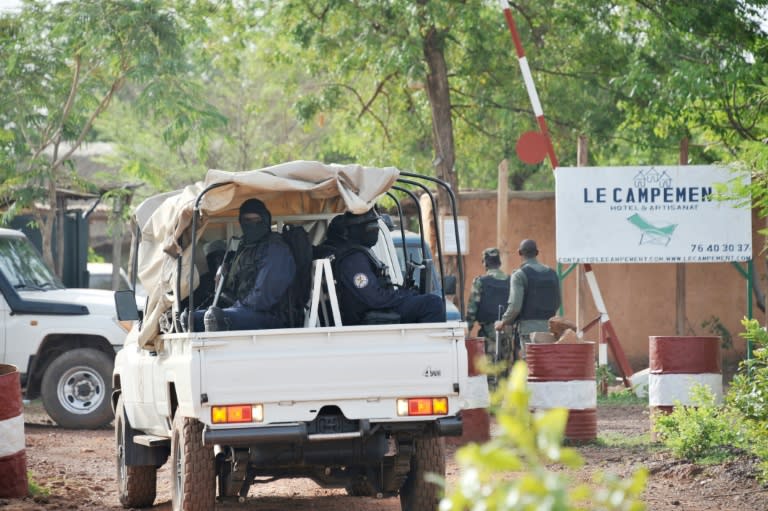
x,y
372,364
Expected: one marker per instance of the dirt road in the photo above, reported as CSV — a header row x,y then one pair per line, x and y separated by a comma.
x,y
78,470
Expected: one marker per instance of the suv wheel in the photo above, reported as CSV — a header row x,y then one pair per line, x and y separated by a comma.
x,y
76,387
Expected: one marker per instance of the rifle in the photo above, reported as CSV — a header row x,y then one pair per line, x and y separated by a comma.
x,y
410,269
496,353
214,319
516,346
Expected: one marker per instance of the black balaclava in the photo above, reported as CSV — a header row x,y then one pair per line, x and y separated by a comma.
x,y
254,231
336,229
363,229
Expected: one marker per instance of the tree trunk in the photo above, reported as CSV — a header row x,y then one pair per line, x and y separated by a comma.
x,y
47,222
442,126
60,215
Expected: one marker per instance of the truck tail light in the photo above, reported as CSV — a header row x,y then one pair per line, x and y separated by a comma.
x,y
415,406
229,414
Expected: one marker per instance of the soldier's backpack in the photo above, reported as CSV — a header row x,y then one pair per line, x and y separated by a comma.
x,y
297,295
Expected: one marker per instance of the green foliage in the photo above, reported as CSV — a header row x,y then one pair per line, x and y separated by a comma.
x,y
748,394
634,77
511,471
749,388
702,430
34,488
348,82
93,257
622,397
604,377
716,327
706,432
67,62
613,439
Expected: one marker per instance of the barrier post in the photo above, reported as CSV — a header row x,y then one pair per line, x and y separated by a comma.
x,y
13,457
563,376
677,363
475,418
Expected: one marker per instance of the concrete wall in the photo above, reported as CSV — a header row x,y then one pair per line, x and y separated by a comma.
x,y
640,298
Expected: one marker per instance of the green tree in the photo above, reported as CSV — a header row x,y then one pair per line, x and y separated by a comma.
x,y
341,81
232,64
66,62
635,77
695,69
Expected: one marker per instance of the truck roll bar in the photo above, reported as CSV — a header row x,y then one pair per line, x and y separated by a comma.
x,y
452,197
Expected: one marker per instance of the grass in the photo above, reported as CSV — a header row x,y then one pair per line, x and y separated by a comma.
x,y
623,397
35,489
610,439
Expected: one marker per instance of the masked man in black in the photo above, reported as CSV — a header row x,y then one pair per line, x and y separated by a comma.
x,y
261,271
364,286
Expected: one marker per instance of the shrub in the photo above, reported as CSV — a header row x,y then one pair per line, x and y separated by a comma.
x,y
749,388
511,471
748,394
702,430
622,397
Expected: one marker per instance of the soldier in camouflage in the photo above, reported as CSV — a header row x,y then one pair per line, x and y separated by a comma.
x,y
487,302
534,296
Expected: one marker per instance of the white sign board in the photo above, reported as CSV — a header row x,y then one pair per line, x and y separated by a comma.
x,y
448,234
653,214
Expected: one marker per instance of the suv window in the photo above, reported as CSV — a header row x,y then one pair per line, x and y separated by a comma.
x,y
23,267
413,252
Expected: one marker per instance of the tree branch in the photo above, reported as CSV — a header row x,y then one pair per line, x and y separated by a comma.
x,y
365,108
379,88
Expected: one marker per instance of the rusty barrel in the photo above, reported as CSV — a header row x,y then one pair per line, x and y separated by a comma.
x,y
677,363
474,415
13,458
563,376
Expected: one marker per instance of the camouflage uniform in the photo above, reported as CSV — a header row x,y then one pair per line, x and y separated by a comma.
x,y
517,294
486,328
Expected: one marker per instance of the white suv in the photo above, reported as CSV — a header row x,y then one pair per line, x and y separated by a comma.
x,y
63,341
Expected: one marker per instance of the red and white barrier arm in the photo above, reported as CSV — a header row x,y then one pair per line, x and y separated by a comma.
x,y
529,85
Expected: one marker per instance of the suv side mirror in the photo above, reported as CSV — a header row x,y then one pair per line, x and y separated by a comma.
x,y
449,284
125,305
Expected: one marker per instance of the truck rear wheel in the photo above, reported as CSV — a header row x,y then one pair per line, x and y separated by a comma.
x,y
193,475
417,494
137,484
76,387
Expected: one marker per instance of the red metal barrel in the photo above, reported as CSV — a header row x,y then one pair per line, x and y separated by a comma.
x,y
475,418
13,457
677,363
563,376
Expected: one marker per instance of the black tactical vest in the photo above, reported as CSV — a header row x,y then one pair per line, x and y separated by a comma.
x,y
244,270
379,268
542,295
493,298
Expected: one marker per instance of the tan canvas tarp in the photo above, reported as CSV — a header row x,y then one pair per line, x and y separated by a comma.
x,y
293,188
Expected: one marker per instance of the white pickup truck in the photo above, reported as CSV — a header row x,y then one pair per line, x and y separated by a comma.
x,y
62,341
359,407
